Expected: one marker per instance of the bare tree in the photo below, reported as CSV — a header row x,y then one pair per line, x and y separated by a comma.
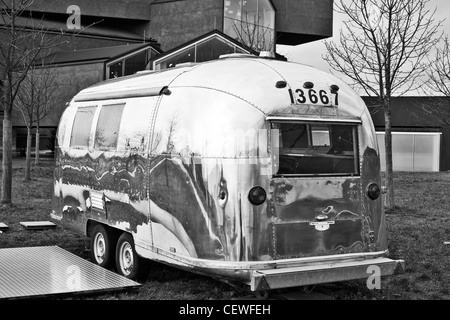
x,y
383,48
20,46
37,98
439,72
438,83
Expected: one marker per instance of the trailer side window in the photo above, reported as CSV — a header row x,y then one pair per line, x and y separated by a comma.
x,y
82,127
316,149
108,126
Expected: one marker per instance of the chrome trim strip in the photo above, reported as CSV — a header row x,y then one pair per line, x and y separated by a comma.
x,y
123,94
314,119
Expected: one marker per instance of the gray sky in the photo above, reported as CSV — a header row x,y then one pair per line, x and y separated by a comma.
x,y
312,53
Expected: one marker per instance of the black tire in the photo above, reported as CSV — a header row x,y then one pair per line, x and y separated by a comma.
x,y
102,246
128,263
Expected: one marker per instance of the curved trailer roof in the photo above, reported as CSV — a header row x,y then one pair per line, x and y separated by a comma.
x,y
258,81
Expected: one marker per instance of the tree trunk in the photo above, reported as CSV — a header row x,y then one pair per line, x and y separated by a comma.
x,y
28,155
36,160
7,159
390,202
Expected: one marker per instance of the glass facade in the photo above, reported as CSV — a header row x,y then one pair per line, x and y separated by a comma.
x,y
203,50
251,22
131,64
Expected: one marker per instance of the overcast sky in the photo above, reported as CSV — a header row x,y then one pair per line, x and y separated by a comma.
x,y
312,53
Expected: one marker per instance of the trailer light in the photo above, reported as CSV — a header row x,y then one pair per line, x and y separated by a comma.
x,y
281,84
223,197
334,88
373,191
308,85
165,91
257,196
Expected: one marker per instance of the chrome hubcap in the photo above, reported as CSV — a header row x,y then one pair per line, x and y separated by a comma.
x,y
99,248
126,258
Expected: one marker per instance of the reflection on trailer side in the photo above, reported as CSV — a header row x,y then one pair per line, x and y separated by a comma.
x,y
221,168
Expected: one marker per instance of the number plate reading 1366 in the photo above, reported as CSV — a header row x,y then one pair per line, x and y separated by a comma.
x,y
315,97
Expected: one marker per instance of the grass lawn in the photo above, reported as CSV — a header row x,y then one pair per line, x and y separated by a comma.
x,y
417,230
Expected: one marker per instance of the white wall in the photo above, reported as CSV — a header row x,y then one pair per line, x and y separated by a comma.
x,y
412,151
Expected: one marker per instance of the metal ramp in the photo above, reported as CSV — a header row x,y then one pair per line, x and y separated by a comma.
x,y
39,272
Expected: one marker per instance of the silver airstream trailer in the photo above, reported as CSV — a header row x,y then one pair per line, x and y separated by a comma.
x,y
250,170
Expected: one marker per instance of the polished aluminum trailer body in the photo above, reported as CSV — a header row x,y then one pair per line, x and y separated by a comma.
x,y
171,157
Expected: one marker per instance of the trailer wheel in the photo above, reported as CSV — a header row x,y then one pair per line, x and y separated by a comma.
x,y
128,263
102,246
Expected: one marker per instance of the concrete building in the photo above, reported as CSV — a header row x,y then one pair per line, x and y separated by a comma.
x,y
113,38
172,23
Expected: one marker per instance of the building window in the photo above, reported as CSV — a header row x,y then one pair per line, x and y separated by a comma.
x,y
186,55
136,63
130,64
207,49
108,126
116,70
251,22
81,129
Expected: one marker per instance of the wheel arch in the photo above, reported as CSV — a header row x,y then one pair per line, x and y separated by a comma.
x,y
90,225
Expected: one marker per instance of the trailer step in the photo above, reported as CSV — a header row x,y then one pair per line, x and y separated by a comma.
x,y
324,273
42,272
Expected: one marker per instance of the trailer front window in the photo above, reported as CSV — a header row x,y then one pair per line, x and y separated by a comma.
x,y
315,148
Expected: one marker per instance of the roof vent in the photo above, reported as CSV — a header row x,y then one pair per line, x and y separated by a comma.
x,y
186,64
236,55
267,54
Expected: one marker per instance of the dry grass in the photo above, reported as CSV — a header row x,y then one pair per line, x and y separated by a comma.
x,y
417,230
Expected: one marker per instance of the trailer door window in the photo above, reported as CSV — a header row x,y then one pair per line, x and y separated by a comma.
x,y
108,126
81,129
316,149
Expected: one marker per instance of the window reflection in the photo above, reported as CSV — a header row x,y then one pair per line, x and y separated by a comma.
x,y
251,22
131,64
206,50
82,127
108,125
